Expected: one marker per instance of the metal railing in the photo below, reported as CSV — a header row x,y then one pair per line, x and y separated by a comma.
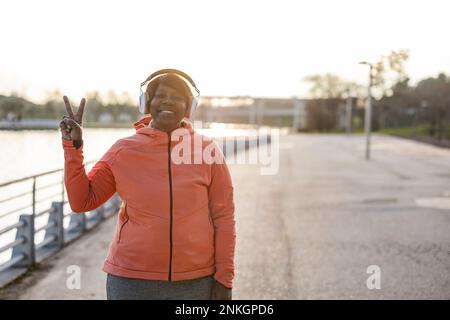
x,y
33,229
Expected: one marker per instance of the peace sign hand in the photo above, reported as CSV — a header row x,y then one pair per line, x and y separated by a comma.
x,y
71,124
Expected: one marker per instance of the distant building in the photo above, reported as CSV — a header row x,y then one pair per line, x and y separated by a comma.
x,y
124,117
259,111
105,117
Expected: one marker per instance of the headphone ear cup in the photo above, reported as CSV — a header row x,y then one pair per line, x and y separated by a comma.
x,y
143,99
191,109
194,105
142,102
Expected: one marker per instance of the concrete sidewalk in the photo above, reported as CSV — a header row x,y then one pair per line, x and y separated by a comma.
x,y
312,230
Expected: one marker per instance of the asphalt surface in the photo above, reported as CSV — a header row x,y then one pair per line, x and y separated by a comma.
x,y
312,230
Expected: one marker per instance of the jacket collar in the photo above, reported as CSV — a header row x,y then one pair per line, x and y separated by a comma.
x,y
143,126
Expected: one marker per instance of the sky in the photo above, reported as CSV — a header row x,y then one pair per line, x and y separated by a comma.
x,y
257,48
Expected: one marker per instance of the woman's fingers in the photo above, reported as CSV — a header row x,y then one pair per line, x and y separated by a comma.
x,y
81,109
70,123
78,117
65,131
68,107
70,129
65,124
62,125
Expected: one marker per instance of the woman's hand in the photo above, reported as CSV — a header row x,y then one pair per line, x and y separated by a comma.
x,y
220,292
71,125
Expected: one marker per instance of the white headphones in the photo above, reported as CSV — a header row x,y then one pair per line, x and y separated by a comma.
x,y
144,97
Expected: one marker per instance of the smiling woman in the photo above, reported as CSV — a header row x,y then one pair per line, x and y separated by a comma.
x,y
168,103
175,233
171,80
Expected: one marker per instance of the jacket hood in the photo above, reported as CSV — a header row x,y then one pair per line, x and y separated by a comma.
x,y
143,126
143,122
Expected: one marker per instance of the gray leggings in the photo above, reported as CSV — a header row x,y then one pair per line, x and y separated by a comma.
x,y
120,288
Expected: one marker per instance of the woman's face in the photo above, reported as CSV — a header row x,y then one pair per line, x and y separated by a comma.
x,y
167,108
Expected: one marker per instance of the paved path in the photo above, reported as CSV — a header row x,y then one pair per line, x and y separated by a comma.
x,y
311,231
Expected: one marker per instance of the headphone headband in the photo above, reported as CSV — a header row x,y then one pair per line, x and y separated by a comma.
x,y
143,98
173,71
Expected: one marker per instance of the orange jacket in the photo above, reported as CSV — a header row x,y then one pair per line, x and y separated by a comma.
x,y
176,221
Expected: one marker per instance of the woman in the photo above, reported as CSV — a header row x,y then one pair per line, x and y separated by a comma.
x,y
175,233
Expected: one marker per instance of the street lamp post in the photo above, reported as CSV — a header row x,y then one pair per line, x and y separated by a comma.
x,y
368,113
348,115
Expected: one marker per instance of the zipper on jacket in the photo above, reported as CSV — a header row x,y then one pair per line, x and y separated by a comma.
x,y
171,205
123,224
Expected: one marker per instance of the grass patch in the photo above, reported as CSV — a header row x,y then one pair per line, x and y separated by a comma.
x,y
421,130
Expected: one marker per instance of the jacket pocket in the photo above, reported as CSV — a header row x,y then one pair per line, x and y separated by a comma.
x,y
127,218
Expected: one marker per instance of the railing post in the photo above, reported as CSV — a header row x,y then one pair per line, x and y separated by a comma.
x,y
77,224
27,246
57,216
34,195
62,188
98,215
25,252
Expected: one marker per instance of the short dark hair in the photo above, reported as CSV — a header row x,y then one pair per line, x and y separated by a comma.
x,y
173,81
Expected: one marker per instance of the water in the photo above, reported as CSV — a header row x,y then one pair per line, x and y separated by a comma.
x,y
29,152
